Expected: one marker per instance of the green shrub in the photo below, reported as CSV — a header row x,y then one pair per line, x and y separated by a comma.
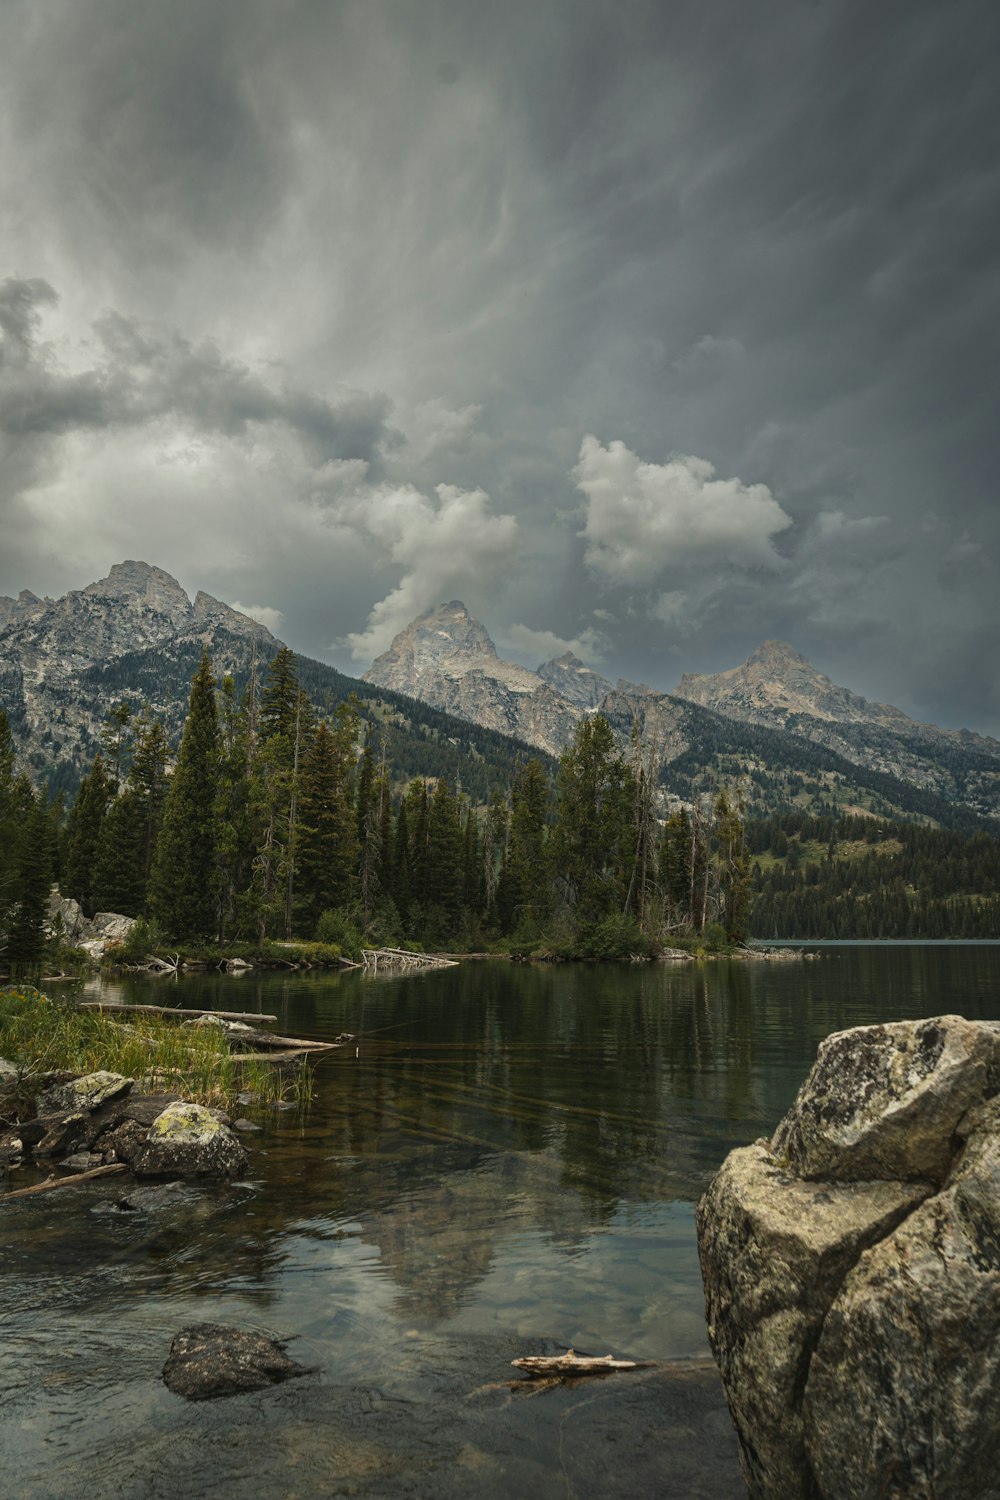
x,y
140,943
336,928
615,936
713,938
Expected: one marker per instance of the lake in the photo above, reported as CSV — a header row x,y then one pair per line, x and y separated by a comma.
x,y
504,1162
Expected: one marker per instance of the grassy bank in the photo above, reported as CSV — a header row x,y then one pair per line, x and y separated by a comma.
x,y
40,1035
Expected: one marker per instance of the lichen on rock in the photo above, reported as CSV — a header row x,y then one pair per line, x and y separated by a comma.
x,y
187,1140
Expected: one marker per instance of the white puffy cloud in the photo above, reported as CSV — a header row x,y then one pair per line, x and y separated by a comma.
x,y
272,619
542,645
440,548
643,519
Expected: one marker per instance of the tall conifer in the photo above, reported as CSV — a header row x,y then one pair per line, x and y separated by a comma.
x,y
84,834
185,881
26,932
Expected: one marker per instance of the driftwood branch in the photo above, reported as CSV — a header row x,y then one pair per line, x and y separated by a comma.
x,y
114,1169
540,1366
401,958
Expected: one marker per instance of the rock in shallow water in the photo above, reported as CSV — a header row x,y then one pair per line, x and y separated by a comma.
x,y
209,1359
856,1322
187,1140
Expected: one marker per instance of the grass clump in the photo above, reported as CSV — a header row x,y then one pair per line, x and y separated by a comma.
x,y
40,1034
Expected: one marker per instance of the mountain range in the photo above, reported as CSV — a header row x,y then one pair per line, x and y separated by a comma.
x,y
795,736
136,636
446,703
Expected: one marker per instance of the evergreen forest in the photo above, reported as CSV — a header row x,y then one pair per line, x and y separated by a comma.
x,y
277,819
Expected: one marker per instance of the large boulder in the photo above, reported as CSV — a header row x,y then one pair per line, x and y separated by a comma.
x,y
66,917
111,926
914,1337
774,1249
187,1140
852,1273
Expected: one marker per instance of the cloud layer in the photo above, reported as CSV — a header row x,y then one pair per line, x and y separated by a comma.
x,y
317,303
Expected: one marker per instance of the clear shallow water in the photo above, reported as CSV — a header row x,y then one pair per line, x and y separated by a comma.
x,y
508,1164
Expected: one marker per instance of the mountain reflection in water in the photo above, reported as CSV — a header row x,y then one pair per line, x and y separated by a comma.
x,y
508,1165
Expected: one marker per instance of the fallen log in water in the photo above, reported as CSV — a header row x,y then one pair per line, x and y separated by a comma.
x,y
173,1010
113,1169
266,1039
540,1366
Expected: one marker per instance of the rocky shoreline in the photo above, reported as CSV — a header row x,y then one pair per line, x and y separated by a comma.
x,y
76,1126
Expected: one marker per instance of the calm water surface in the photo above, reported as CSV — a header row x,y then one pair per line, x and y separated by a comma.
x,y
506,1162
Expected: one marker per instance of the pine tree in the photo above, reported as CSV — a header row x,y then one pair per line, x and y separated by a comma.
x,y
327,829
402,887
591,844
26,931
279,701
263,902
529,894
734,867
10,832
129,832
444,858
84,833
495,840
236,750
472,868
184,887
115,742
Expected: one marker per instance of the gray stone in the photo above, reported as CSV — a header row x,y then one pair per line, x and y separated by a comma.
x,y
123,1142
145,1108
66,915
208,1360
187,1140
63,1135
81,1161
87,1093
886,1101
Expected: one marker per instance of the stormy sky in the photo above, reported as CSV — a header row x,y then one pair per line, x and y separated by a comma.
x,y
648,329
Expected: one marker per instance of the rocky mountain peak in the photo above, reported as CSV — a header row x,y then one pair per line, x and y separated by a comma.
x,y
777,653
446,641
48,647
446,658
777,682
139,583
574,681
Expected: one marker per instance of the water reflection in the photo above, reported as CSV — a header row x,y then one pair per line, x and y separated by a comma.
x,y
509,1156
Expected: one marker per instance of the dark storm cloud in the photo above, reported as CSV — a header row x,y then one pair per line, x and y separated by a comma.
x,y
144,374
758,237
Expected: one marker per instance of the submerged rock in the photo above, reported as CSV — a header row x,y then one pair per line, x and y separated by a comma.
x,y
187,1140
852,1273
209,1359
